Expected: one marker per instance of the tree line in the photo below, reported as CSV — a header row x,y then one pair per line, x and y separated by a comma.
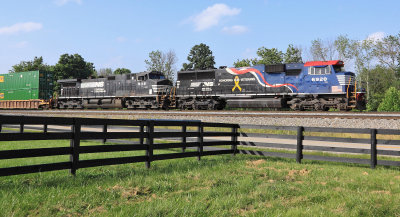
x,y
376,63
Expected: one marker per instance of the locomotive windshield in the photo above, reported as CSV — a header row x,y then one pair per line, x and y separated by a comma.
x,y
156,76
338,68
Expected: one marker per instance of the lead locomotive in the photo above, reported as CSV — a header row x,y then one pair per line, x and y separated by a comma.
x,y
317,85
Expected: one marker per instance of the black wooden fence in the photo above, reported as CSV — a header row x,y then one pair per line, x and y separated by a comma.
x,y
143,130
192,134
299,134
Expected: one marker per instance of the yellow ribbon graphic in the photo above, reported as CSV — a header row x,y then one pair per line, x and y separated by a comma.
x,y
236,80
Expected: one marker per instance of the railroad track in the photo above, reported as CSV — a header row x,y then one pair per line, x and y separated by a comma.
x,y
274,114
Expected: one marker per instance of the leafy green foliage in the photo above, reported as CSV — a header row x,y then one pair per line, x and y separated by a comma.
x,y
73,66
242,63
120,71
292,55
344,47
200,57
162,62
35,64
272,56
387,50
391,101
269,56
104,72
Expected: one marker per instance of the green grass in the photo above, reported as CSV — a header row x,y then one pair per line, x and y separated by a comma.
x,y
215,186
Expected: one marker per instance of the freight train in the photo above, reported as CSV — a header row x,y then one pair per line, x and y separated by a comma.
x,y
317,85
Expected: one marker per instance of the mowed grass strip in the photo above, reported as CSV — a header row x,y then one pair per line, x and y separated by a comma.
x,y
215,186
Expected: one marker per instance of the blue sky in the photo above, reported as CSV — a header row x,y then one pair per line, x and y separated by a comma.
x,y
121,33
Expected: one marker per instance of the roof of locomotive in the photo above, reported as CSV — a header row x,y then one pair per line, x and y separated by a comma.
x,y
323,63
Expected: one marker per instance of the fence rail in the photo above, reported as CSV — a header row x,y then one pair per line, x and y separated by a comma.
x,y
301,134
143,130
201,136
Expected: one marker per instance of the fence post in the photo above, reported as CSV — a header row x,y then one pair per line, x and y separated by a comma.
x,y
142,134
373,149
200,140
44,128
234,140
299,153
1,127
74,144
149,140
21,127
184,137
105,132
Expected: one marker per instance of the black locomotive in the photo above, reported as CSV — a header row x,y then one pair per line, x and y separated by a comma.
x,y
145,90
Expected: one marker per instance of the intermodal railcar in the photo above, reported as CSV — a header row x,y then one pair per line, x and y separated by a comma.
x,y
32,90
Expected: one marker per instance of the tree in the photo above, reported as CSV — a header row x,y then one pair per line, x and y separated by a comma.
x,y
343,46
391,101
73,66
35,64
162,62
242,63
292,55
322,50
200,57
380,79
104,72
269,56
362,52
170,64
120,71
387,50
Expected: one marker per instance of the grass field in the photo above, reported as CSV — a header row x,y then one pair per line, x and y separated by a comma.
x,y
215,186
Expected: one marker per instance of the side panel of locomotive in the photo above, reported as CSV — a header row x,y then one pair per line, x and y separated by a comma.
x,y
141,90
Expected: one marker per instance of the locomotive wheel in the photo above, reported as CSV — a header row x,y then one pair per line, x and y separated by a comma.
x,y
211,106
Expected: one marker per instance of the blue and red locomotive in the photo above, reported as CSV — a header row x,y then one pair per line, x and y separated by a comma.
x,y
317,85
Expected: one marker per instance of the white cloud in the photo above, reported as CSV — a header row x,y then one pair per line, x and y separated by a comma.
x,y
121,39
21,44
63,2
376,36
20,27
235,30
212,16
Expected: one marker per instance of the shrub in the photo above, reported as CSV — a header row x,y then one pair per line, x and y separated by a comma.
x,y
391,101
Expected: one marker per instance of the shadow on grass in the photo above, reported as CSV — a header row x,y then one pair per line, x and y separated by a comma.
x,y
90,176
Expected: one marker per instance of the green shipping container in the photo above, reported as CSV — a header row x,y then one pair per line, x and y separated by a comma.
x,y
26,85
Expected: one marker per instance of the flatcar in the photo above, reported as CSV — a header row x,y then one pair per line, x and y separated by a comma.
x,y
316,85
145,90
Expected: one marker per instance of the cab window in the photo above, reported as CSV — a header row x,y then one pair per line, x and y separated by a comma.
x,y
319,70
